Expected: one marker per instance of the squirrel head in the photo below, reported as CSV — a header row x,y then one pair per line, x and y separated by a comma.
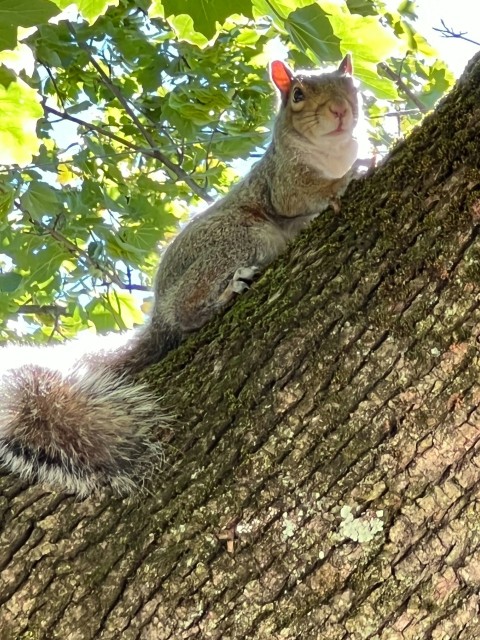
x,y
314,104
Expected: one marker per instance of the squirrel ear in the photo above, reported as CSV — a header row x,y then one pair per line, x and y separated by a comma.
x,y
281,75
346,66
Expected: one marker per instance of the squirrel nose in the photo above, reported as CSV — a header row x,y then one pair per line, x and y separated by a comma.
x,y
339,109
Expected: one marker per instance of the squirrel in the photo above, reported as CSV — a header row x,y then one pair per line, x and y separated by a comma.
x,y
78,422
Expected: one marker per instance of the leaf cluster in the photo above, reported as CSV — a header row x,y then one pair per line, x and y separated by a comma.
x,y
120,118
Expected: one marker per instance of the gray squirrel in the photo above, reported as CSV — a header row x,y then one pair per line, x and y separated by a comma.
x,y
80,421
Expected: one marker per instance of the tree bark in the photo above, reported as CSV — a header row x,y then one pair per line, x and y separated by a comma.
x,y
323,468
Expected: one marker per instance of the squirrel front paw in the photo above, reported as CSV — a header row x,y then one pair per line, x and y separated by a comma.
x,y
240,282
243,278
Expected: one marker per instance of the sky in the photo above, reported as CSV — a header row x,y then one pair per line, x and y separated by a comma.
x,y
458,15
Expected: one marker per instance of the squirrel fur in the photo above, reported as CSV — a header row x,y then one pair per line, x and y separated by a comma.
x,y
79,421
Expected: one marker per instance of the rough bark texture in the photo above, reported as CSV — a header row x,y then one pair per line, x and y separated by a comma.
x,y
328,424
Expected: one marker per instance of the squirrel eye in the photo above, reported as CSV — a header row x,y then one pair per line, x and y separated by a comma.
x,y
298,95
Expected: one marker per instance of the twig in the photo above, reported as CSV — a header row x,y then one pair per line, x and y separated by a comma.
x,y
54,82
95,127
111,275
401,85
152,153
395,114
158,155
448,32
53,309
70,246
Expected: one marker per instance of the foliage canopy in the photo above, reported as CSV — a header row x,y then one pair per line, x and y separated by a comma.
x,y
119,117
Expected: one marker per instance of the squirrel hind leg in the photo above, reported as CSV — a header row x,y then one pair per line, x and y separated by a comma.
x,y
204,292
78,432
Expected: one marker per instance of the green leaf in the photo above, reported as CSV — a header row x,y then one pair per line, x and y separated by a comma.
x,y
365,37
407,8
9,282
248,37
7,195
310,29
7,76
424,47
40,200
278,10
20,110
22,13
142,238
367,73
206,13
362,7
44,266
101,316
156,9
89,9
184,29
78,108
113,310
440,80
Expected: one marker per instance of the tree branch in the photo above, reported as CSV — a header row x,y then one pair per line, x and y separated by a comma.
x,y
111,275
156,153
72,248
94,127
152,153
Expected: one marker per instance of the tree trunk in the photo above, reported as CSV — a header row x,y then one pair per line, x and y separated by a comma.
x,y
323,469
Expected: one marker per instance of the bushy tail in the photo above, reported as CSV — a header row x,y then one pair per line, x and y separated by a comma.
x,y
78,424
